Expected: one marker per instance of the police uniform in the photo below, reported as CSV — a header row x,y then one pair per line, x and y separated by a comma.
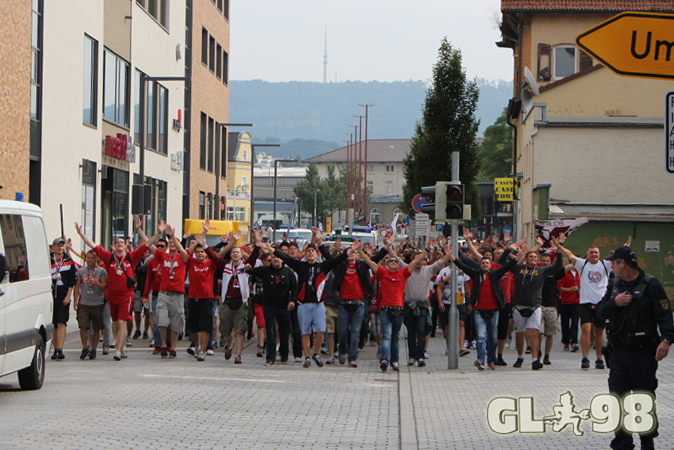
x,y
633,338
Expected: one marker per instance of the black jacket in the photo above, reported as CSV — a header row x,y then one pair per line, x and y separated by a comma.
x,y
280,286
494,277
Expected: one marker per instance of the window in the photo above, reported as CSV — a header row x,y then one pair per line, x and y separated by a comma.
x,y
88,196
244,184
202,148
390,168
161,204
158,9
370,168
209,205
202,205
244,155
211,54
211,130
162,125
565,61
11,227
389,187
116,89
223,213
136,108
220,5
226,9
151,116
374,215
370,186
36,95
204,46
218,66
238,213
225,67
90,80
223,154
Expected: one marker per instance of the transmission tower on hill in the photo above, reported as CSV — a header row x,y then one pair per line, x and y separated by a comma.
x,y
325,57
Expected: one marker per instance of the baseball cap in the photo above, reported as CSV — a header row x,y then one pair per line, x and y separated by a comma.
x,y
57,241
625,253
311,245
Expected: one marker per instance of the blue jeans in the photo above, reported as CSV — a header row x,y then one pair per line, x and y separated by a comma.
x,y
416,332
273,315
390,337
486,329
155,329
349,330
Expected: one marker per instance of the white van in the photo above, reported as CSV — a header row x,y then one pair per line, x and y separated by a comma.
x,y
26,301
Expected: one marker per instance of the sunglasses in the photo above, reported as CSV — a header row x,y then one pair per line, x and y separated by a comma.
x,y
160,246
392,260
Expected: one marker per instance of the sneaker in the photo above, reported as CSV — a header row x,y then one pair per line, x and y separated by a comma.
x,y
180,336
383,365
106,352
421,363
575,348
129,342
528,351
519,362
536,365
426,355
342,358
566,347
222,342
201,356
585,363
492,366
269,363
411,361
164,352
378,353
228,352
156,351
464,352
599,364
192,351
372,342
278,347
124,355
317,359
92,354
395,366
479,364
172,353
61,355
284,359
137,334
331,360
447,352
145,336
307,363
237,359
152,343
500,362
114,344
117,357
546,360
324,351
260,352
84,354
298,359
209,352
508,341
55,355
353,364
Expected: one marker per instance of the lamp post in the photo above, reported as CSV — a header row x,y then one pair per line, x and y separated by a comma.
x,y
252,179
361,187
354,176
218,174
315,218
365,181
273,221
348,176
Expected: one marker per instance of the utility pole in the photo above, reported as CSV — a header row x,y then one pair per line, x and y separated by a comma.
x,y
453,325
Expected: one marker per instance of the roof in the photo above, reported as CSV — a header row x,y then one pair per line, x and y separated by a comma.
x,y
378,150
602,211
588,5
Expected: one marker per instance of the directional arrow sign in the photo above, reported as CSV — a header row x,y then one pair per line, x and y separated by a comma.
x,y
633,44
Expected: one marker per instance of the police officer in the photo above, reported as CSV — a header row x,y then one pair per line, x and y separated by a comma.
x,y
636,305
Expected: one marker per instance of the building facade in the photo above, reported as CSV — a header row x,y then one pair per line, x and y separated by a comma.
x,y
239,177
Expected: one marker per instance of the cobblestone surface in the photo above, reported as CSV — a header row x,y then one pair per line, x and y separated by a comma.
x,y
145,402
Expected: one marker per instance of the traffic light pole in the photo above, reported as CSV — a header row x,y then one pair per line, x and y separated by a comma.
x,y
453,322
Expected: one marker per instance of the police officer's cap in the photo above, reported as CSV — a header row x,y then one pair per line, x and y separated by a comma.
x,y
625,253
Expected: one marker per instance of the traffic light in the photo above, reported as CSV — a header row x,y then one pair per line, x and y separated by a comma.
x,y
455,195
435,195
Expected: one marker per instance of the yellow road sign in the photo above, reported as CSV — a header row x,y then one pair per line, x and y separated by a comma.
x,y
504,189
633,44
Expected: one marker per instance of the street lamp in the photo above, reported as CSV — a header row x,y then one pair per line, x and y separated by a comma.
x,y
273,221
252,180
315,192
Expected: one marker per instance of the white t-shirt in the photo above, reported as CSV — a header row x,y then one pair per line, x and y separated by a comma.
x,y
593,280
461,279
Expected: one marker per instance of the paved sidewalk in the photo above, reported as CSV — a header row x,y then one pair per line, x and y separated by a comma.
x,y
145,402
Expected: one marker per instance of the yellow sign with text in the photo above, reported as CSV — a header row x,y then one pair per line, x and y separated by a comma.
x,y
504,189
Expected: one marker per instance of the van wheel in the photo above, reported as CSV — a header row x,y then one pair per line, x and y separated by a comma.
x,y
32,377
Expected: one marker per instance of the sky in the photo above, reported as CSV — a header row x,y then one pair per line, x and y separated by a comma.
x,y
368,40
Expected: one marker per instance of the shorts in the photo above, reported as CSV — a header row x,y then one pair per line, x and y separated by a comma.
x,y
375,324
311,316
331,315
90,316
463,313
120,309
259,316
521,324
201,315
61,314
504,317
170,310
233,319
549,320
137,302
588,313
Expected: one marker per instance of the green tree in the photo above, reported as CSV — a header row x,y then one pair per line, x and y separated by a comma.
x,y
448,124
496,150
305,190
334,193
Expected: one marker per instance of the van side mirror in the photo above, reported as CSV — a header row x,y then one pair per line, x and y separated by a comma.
x,y
3,267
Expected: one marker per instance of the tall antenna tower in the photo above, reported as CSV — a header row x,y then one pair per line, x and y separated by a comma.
x,y
325,57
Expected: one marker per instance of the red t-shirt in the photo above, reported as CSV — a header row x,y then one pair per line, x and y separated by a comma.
x,y
118,289
350,289
153,281
173,270
487,299
392,286
201,278
571,279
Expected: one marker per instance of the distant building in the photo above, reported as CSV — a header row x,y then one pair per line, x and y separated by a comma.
x,y
286,205
238,177
385,178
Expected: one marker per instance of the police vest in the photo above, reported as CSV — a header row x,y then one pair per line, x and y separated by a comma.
x,y
635,323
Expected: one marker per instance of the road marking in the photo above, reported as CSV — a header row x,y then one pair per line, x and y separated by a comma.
x,y
211,378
